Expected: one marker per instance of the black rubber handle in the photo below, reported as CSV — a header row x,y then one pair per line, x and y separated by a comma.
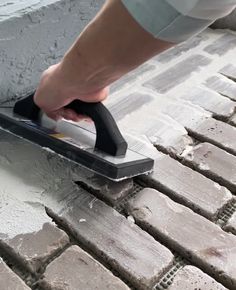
x,y
109,138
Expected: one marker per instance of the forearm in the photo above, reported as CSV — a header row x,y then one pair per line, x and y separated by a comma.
x,y
110,46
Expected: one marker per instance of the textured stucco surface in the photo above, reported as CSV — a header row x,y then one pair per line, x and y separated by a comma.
x,y
35,34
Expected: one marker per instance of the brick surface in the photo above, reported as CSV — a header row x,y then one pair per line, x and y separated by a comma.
x,y
135,75
210,100
231,224
131,251
188,187
77,270
216,132
198,239
180,49
233,120
222,85
222,45
215,163
160,129
229,71
177,74
191,278
27,233
9,280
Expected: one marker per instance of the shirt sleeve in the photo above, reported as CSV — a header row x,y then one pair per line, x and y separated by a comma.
x,y
177,20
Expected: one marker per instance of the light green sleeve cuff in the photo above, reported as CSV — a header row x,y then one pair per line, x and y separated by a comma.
x,y
164,21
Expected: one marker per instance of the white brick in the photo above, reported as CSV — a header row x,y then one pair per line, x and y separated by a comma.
x,y
195,237
222,45
222,85
210,100
229,71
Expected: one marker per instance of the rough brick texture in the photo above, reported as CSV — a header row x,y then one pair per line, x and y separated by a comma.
x,y
222,85
198,239
9,280
27,233
231,224
188,186
133,253
75,269
215,163
191,278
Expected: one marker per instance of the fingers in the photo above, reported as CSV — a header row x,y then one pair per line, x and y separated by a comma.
x,y
67,114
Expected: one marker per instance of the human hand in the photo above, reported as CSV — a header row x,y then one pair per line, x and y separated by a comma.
x,y
56,90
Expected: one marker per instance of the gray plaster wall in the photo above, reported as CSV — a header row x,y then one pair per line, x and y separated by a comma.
x,y
35,34
227,22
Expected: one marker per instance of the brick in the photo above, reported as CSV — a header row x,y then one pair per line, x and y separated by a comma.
x,y
196,238
180,49
216,132
222,45
160,129
191,278
210,100
177,74
231,224
187,186
136,75
9,280
75,269
214,163
27,233
233,120
222,85
229,71
132,252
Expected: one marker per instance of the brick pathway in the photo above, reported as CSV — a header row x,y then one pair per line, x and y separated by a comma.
x,y
62,227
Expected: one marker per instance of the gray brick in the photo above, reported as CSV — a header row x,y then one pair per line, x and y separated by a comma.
x,y
177,74
216,132
137,74
180,49
27,233
187,186
214,163
191,278
9,280
222,85
198,239
158,128
231,224
233,120
122,107
75,269
211,101
124,246
229,71
222,45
